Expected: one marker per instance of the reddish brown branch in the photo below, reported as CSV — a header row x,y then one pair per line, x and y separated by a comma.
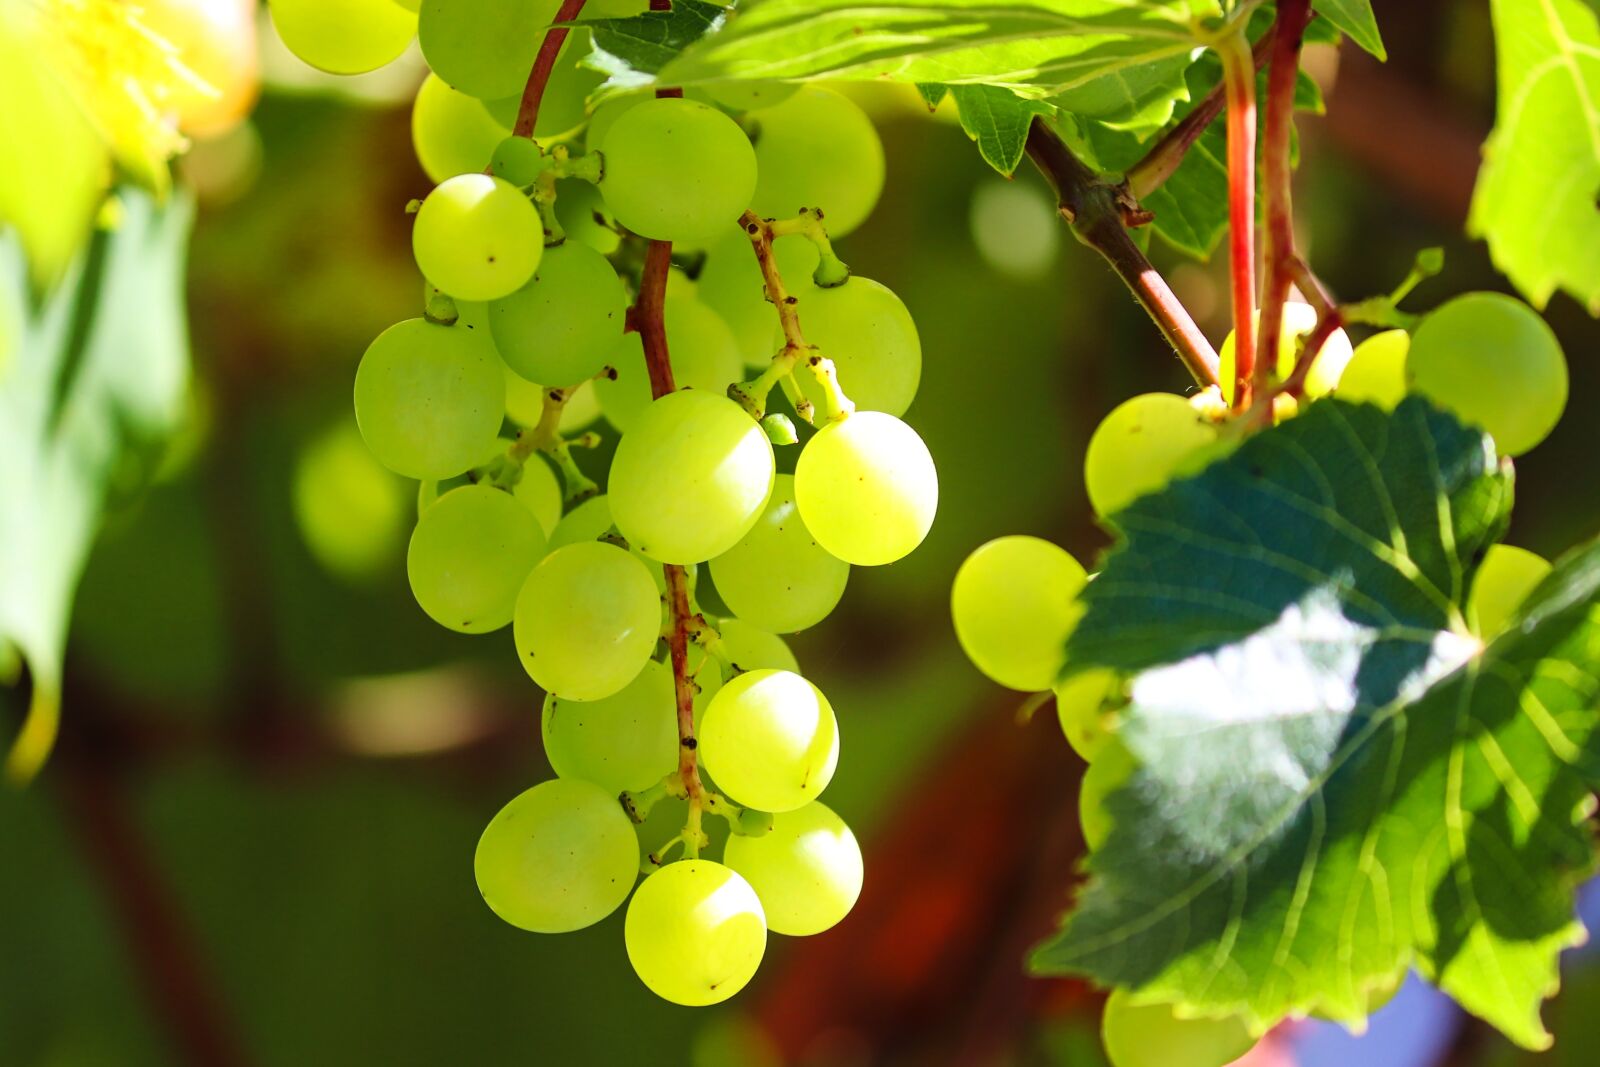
x,y
543,64
1239,81
646,317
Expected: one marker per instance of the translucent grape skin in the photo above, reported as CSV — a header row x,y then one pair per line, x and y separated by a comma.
x,y
1503,581
1140,446
1080,704
677,170
477,237
1299,319
560,328
867,488
1113,765
1377,370
558,857
770,740
429,399
540,493
868,333
750,648
1014,601
695,932
452,133
586,621
704,356
344,36
806,870
1150,1035
469,555
628,740
691,478
777,577
483,47
817,149
1491,360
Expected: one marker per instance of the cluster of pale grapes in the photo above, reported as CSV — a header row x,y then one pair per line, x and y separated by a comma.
x,y
532,251
1488,358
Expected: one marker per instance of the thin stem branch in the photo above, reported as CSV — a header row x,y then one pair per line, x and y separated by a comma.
x,y
1094,210
1329,320
543,63
1239,83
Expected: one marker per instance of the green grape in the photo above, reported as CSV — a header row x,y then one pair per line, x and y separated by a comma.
x,y
867,488
540,493
817,149
591,520
563,325
750,95
777,577
344,36
1298,321
695,933
577,204
1014,601
469,555
628,740
561,109
349,509
1112,767
690,478
517,160
1377,370
677,170
1151,1035
586,621
869,335
751,648
484,47
558,857
525,403
477,237
428,399
1504,579
730,284
1080,708
1141,446
806,870
605,116
703,352
453,133
1495,363
770,740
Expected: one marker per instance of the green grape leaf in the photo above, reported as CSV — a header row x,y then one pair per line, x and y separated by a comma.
x,y
92,382
1337,779
632,50
1355,18
1535,202
998,121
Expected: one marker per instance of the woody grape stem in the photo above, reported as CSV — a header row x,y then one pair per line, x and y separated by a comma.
x,y
543,63
1239,83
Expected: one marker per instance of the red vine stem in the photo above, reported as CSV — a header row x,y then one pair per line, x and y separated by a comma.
x,y
543,64
1239,82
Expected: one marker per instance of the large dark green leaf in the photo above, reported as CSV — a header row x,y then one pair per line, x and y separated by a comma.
x,y
1337,779
91,383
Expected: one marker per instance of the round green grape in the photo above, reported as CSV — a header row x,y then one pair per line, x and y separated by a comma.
x,y
344,36
429,399
751,648
540,493
1298,320
677,170
1150,1035
770,740
517,160
350,510
1080,708
1495,363
1377,370
1504,579
1142,445
586,621
817,149
701,348
604,117
477,237
868,333
563,325
730,284
690,478
558,857
1014,601
867,488
695,933
590,521
777,577
1112,767
806,870
577,205
469,555
483,47
628,740
750,95
453,133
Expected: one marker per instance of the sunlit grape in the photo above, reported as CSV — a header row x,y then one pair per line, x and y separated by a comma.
x,y
806,870
1151,1035
1014,602
867,488
1112,767
344,36
561,327
770,740
469,555
483,47
1503,581
817,149
1298,321
677,170
695,932
477,237
452,133
1142,445
1080,709
777,577
1376,373
586,621
868,333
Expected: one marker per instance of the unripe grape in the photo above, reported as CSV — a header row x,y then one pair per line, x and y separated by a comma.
x,y
806,870
817,149
702,351
777,577
751,648
770,740
586,621
691,478
1150,1035
695,932
868,333
1014,601
483,47
1492,361
1298,321
1112,767
429,399
344,36
558,857
469,555
561,327
1503,581
517,159
628,740
1143,444
867,488
750,95
1080,708
677,170
477,237
350,511
452,133
1377,370
540,493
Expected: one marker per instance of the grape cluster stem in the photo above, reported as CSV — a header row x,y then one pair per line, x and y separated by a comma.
x,y
1239,84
